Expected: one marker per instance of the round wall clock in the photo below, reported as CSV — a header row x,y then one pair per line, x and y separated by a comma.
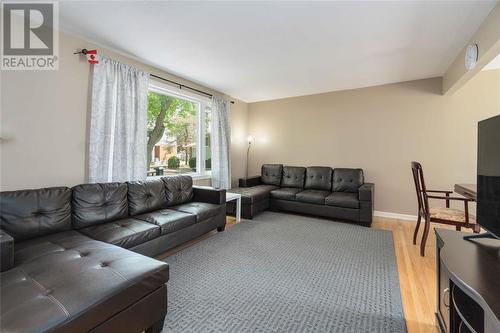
x,y
471,56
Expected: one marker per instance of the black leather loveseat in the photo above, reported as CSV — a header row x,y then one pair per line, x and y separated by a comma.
x,y
319,191
71,258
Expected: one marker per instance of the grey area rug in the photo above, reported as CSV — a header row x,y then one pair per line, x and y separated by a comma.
x,y
286,273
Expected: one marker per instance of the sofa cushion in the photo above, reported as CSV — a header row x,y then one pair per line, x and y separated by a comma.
x,y
318,178
347,180
169,220
201,210
98,203
35,248
254,194
285,193
33,213
293,176
312,196
125,233
69,282
146,196
179,189
6,251
271,174
343,199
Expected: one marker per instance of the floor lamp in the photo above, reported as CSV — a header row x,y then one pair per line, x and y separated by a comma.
x,y
249,139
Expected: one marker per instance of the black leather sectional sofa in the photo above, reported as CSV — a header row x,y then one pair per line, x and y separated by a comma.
x,y
320,191
72,258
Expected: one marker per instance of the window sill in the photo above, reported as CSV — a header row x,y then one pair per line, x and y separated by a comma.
x,y
195,176
205,176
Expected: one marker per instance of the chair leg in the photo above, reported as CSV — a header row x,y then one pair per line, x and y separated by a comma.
x,y
458,228
415,233
424,236
476,228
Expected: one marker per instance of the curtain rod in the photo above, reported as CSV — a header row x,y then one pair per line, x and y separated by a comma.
x,y
184,86
85,51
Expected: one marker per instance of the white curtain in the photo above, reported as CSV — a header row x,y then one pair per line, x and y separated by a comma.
x,y
221,141
118,133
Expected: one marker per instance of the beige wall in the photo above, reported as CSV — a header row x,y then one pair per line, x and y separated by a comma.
x,y
380,129
44,119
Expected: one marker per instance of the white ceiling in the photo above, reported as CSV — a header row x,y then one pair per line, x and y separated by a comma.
x,y
267,50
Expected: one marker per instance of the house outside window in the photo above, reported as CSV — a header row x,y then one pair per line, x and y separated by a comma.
x,y
178,125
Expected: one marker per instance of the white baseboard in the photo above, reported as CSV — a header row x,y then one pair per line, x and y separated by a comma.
x,y
395,216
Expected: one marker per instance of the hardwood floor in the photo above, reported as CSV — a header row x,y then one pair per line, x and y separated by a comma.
x,y
416,273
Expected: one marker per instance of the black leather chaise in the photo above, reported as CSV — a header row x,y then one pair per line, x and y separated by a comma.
x,y
321,191
72,258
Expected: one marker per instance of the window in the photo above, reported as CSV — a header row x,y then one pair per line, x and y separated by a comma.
x,y
178,132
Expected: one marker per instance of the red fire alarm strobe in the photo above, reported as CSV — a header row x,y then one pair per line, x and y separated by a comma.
x,y
92,56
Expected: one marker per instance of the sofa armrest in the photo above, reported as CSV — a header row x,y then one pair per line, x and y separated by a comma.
x,y
367,192
6,251
209,195
249,182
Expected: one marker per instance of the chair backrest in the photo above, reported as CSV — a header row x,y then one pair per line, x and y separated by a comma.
x,y
418,178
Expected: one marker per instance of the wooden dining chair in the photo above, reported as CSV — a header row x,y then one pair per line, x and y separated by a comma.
x,y
445,215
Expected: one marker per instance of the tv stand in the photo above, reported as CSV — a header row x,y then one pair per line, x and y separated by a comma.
x,y
479,236
468,288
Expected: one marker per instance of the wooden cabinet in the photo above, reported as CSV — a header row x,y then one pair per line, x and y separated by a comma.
x,y
443,296
468,284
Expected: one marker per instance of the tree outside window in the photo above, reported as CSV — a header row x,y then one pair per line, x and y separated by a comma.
x,y
173,135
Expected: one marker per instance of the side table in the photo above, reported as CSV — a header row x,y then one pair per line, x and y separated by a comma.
x,y
235,196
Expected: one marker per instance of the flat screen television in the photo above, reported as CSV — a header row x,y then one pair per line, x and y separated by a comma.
x,y
488,175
